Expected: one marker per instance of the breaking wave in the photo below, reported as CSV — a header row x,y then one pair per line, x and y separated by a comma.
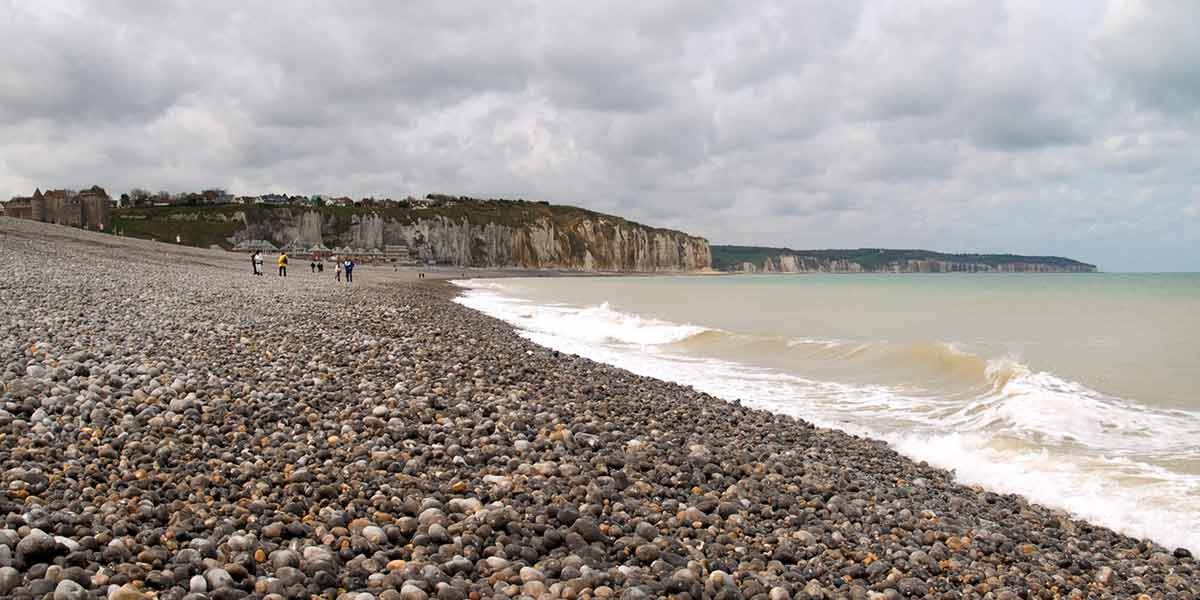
x,y
996,421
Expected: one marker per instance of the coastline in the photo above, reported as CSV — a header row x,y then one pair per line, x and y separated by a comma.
x,y
387,441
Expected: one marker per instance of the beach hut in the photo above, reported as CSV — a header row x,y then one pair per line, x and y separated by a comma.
x,y
319,251
255,246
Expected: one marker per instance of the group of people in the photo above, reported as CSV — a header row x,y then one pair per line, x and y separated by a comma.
x,y
346,266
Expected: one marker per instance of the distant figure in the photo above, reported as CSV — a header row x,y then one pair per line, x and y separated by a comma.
x,y
254,263
321,267
337,273
283,264
313,265
257,260
349,266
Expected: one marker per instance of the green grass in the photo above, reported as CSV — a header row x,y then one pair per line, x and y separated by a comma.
x,y
156,223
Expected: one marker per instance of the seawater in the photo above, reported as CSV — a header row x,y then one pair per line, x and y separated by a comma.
x,y
1080,391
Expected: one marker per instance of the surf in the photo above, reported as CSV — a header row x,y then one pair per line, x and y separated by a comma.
x,y
996,421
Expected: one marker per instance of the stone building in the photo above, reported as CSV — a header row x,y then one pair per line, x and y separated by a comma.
x,y
19,208
90,208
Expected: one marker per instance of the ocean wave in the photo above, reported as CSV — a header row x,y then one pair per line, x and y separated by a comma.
x,y
1125,494
480,284
996,421
598,323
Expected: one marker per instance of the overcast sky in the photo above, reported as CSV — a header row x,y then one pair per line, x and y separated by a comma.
x,y
1061,127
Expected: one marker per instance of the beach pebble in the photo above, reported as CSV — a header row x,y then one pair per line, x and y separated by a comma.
x,y
69,590
174,427
10,578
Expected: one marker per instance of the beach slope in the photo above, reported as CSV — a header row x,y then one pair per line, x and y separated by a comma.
x,y
172,426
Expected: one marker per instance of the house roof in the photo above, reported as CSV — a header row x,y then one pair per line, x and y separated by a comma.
x,y
256,245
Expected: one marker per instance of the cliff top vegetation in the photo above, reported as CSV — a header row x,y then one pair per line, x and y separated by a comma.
x,y
214,224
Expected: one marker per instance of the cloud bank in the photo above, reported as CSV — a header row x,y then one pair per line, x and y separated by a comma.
x,y
1058,128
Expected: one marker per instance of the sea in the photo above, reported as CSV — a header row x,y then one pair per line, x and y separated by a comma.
x,y
1078,391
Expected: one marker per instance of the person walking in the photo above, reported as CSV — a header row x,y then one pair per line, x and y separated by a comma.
x,y
313,265
253,268
337,270
349,266
258,262
321,267
283,264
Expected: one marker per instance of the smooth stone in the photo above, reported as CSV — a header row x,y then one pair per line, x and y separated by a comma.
x,y
647,553
218,578
528,574
37,545
290,576
412,592
374,534
125,592
10,578
69,590
284,558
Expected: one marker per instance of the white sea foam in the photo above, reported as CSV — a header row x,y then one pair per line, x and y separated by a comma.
x,y
1052,440
1132,497
593,324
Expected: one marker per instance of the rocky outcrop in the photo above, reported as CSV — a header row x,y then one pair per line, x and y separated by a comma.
x,y
790,263
591,243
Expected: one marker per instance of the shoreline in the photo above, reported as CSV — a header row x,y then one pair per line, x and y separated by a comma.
x,y
387,441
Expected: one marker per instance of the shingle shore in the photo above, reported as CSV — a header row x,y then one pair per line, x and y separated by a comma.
x,y
172,426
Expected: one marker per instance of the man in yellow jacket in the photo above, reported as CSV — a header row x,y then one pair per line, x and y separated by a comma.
x,y
283,264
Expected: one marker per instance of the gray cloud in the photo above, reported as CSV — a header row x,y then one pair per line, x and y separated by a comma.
x,y
1017,126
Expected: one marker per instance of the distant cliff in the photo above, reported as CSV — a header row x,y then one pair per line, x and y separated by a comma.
x,y
755,259
473,233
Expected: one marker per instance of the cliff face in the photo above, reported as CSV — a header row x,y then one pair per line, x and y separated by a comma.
x,y
586,245
751,259
525,235
788,263
804,264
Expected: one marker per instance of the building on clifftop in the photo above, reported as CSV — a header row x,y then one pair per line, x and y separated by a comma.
x,y
89,209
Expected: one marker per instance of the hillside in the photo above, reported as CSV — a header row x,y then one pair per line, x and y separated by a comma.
x,y
468,232
873,260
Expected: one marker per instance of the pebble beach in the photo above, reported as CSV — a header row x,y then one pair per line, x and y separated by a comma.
x,y
173,427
